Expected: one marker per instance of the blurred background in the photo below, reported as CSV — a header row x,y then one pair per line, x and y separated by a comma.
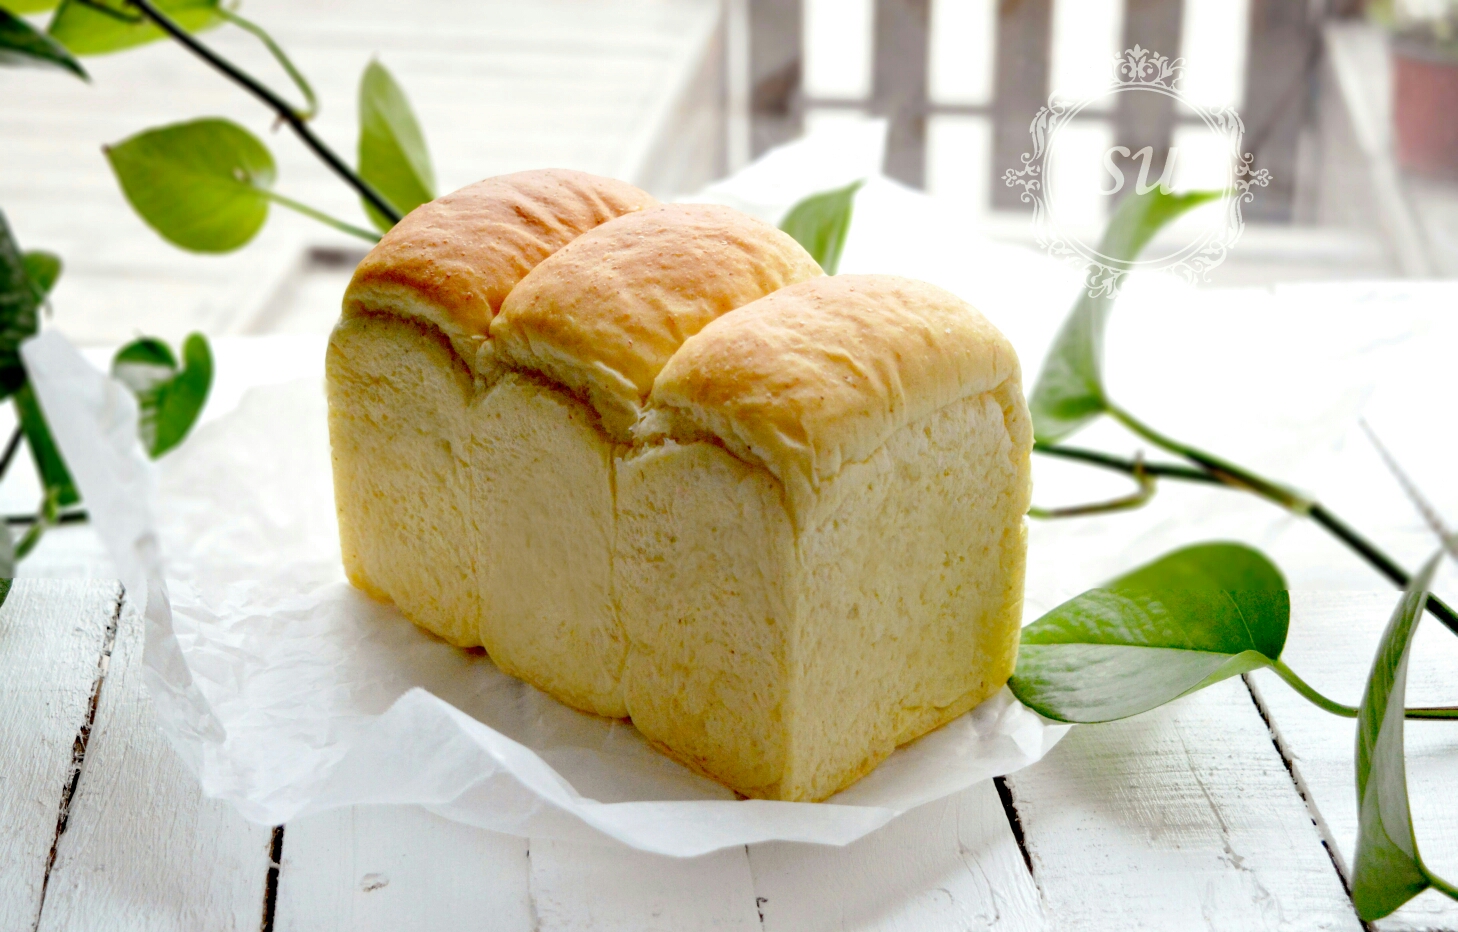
x,y
1350,106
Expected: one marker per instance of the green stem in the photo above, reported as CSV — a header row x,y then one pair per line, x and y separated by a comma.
x,y
1169,470
1241,478
1227,472
320,216
279,106
44,520
311,102
1444,713
1441,885
1348,711
1316,698
1136,499
78,516
31,537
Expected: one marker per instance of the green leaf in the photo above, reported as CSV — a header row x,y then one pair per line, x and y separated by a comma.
x,y
392,153
21,44
1179,624
5,584
43,268
18,303
28,6
134,364
96,27
48,462
820,223
1070,389
170,398
203,185
1388,871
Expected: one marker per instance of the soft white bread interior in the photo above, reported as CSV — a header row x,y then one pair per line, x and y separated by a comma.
x,y
580,341
820,541
397,401
408,360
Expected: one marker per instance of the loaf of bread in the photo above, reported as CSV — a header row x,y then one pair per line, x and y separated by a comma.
x,y
662,468
406,368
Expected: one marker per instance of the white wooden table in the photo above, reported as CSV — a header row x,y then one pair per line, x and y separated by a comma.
x,y
1229,810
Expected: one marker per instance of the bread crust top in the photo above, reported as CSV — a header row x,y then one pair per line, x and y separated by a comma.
x,y
682,321
821,373
454,260
604,313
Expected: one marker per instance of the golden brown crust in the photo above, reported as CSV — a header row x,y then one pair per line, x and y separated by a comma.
x,y
455,259
819,374
604,313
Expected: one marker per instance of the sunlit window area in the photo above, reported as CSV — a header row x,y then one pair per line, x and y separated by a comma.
x,y
960,81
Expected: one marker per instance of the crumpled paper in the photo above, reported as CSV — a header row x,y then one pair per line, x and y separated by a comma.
x,y
289,692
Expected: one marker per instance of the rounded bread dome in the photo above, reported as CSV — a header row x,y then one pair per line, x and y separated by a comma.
x,y
453,261
819,374
603,314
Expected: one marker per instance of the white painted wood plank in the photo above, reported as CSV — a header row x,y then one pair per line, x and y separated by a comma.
x,y
389,868
952,864
1181,818
142,849
589,888
51,636
1332,639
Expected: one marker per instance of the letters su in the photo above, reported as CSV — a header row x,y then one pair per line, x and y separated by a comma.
x,y
1142,185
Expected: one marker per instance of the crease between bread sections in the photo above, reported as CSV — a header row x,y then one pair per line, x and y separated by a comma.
x,y
661,467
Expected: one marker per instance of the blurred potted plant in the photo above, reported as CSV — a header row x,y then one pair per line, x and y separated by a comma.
x,y
1424,82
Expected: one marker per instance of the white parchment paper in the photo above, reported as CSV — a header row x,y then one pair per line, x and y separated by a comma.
x,y
288,692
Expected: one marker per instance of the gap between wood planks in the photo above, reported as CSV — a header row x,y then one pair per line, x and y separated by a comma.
x,y
1288,758
78,748
1015,822
78,765
270,880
